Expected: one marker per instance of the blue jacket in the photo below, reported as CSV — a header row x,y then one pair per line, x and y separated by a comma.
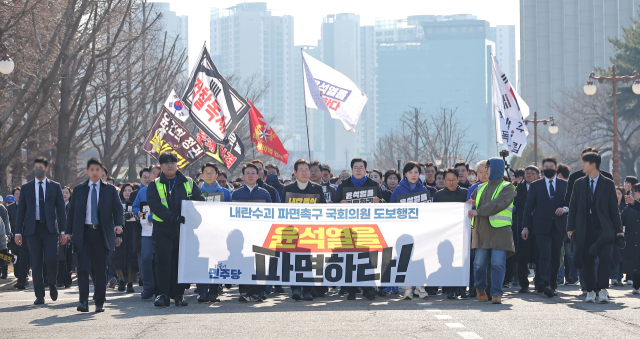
x,y
215,188
471,189
258,193
141,197
404,187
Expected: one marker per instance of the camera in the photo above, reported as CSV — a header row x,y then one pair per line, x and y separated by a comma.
x,y
504,153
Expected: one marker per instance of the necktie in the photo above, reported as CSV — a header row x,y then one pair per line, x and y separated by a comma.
x,y
41,202
552,191
591,190
94,205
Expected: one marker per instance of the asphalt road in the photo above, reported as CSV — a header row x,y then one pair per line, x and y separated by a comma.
x,y
520,316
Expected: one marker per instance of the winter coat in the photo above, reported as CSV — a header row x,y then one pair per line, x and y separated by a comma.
x,y
404,187
257,193
631,252
347,183
483,235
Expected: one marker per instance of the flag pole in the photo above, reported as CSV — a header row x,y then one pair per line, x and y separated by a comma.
x,y
306,117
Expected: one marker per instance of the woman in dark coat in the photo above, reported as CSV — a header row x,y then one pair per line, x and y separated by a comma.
x,y
391,180
125,258
65,255
631,253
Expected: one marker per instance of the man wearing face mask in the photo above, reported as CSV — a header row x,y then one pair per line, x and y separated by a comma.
x,y
526,250
41,215
546,216
273,172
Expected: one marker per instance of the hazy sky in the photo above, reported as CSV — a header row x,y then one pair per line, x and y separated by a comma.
x,y
307,14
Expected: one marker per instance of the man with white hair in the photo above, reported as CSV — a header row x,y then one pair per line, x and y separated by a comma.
x,y
483,176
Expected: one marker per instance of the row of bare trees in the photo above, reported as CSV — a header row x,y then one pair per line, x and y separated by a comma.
x,y
90,77
424,137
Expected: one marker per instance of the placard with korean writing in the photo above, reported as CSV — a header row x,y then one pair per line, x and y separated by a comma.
x,y
415,197
301,198
359,195
213,197
167,135
325,244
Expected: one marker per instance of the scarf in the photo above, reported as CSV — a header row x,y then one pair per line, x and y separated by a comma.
x,y
358,182
206,188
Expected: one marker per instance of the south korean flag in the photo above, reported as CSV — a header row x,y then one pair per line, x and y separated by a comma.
x,y
510,111
176,107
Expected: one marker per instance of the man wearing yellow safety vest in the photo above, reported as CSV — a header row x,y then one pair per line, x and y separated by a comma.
x,y
164,196
491,234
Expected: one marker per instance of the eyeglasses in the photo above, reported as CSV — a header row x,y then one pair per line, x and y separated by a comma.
x,y
451,180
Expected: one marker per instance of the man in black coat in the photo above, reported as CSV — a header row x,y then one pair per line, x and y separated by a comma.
x,y
303,185
358,179
95,217
273,172
21,268
40,211
317,172
526,249
165,196
545,215
275,196
594,222
579,174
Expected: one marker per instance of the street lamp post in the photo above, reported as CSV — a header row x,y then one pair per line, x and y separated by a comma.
x,y
448,163
553,129
6,64
590,89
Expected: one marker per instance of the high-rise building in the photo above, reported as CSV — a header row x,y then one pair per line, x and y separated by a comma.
x,y
505,38
340,49
247,42
442,62
176,26
562,41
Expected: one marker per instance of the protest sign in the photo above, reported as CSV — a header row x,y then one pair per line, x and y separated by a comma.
x,y
360,195
324,244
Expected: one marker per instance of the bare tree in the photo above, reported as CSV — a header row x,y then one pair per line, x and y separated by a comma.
x,y
424,137
588,121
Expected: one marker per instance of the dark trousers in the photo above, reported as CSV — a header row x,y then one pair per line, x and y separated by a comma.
x,y
525,254
93,256
21,268
204,289
603,255
251,289
64,275
43,250
636,279
549,249
304,289
166,249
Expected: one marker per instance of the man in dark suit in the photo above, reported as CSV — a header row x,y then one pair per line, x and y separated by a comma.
x,y
594,222
40,211
579,174
526,250
303,185
546,216
95,217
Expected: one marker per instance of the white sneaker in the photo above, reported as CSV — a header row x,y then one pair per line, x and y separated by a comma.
x,y
408,293
422,293
591,297
603,296
635,291
416,292
629,282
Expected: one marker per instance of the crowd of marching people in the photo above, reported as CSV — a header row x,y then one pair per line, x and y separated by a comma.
x,y
560,227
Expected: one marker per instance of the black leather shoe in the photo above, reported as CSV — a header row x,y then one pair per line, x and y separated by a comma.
x,y
162,301
99,309
53,292
180,300
555,294
39,301
351,296
548,292
83,307
20,286
524,290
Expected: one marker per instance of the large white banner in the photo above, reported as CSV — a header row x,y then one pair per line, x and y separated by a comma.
x,y
328,244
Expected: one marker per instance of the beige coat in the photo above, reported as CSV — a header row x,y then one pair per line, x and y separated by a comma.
x,y
483,234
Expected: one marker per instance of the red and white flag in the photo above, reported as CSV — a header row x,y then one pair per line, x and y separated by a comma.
x,y
265,138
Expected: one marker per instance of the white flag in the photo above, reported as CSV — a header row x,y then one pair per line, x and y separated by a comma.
x,y
329,90
175,106
510,111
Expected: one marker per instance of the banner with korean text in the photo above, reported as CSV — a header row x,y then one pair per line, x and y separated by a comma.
x,y
328,244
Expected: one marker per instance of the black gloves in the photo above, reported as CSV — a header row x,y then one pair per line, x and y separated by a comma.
x,y
181,220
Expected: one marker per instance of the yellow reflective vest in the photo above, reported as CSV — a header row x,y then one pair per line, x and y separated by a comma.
x,y
502,218
162,192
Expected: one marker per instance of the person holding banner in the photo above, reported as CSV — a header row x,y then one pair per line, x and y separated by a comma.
x,y
165,195
301,191
491,234
248,192
275,197
411,184
358,179
212,192
317,173
452,193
